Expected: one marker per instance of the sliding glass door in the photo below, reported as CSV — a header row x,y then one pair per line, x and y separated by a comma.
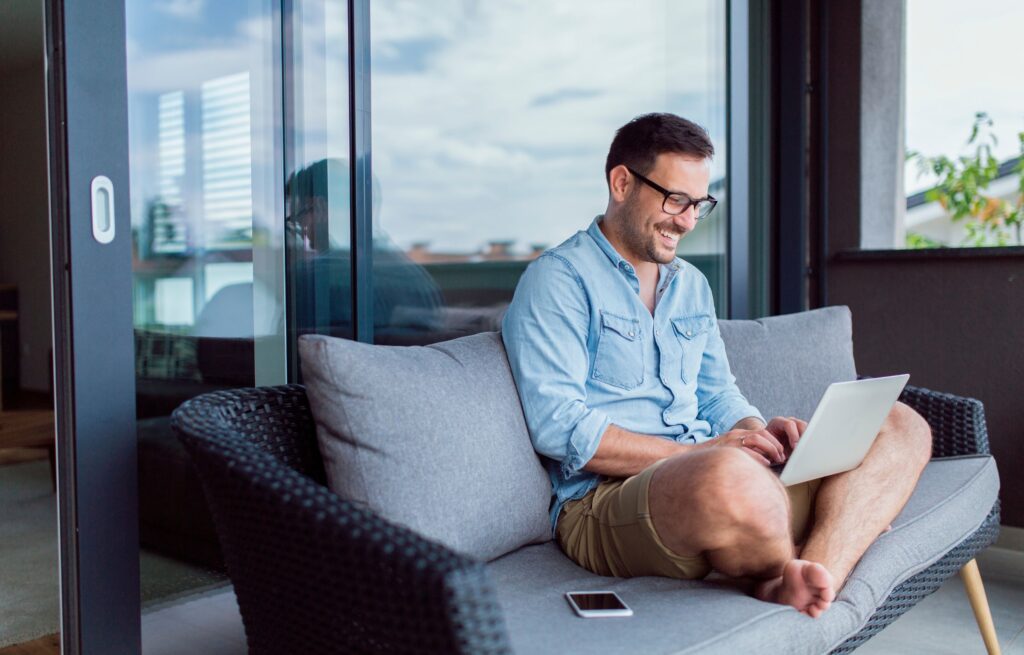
x,y
491,123
297,166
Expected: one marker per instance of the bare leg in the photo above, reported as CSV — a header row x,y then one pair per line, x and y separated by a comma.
x,y
854,507
720,503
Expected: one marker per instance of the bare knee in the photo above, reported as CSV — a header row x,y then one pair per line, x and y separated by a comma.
x,y
732,499
720,486
753,518
910,432
748,495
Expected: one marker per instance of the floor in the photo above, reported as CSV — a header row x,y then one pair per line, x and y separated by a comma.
x,y
29,581
49,645
940,624
943,622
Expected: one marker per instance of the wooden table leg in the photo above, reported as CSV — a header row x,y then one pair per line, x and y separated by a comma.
x,y
979,603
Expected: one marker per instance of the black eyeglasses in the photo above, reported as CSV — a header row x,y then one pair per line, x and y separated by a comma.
x,y
676,202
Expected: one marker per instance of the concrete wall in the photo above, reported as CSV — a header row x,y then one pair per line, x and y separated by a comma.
x,y
24,218
883,113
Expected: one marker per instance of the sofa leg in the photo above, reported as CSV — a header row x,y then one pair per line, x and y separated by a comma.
x,y
979,603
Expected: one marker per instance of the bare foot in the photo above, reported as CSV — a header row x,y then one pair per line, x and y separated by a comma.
x,y
805,585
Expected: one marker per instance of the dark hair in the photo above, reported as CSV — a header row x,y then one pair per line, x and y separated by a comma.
x,y
638,143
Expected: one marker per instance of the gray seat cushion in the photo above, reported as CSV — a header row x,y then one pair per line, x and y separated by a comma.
x,y
670,616
783,364
432,437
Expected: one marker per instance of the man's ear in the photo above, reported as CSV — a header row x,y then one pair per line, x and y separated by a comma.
x,y
619,181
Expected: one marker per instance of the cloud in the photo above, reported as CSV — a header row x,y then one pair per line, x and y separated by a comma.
x,y
564,95
491,120
502,130
186,9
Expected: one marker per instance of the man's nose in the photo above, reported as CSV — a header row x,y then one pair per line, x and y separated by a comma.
x,y
688,219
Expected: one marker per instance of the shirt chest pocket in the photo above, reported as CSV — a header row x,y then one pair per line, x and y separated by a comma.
x,y
619,360
692,333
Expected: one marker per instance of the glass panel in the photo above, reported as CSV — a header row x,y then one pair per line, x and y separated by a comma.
x,y
946,87
206,209
29,553
317,186
491,123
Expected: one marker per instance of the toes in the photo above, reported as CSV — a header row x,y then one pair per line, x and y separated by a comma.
x,y
817,576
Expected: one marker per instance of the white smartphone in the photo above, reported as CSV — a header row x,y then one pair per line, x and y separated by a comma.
x,y
597,604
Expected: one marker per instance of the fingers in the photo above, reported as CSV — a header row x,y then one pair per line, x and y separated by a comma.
x,y
763,444
792,432
758,457
789,428
801,425
766,442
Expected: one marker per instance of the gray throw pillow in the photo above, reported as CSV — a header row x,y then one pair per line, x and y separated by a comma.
x,y
783,364
431,437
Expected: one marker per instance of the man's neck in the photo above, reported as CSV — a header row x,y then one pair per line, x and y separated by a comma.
x,y
646,270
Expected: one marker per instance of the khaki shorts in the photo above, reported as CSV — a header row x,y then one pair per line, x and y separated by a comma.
x,y
609,531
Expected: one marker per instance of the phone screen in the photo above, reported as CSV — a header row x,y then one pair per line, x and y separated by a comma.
x,y
597,601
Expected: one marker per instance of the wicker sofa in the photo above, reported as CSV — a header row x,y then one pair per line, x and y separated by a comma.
x,y
315,573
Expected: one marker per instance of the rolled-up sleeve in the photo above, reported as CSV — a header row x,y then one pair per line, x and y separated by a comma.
x,y
545,335
719,400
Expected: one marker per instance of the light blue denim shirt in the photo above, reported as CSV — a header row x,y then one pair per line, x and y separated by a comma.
x,y
585,353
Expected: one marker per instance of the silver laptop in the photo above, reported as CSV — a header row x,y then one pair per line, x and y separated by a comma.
x,y
842,429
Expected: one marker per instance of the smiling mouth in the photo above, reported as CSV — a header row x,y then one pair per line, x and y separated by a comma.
x,y
671,238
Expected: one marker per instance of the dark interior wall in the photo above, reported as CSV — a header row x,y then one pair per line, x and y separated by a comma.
x,y
955,325
24,221
953,321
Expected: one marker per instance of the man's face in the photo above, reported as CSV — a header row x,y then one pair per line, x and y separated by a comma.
x,y
646,231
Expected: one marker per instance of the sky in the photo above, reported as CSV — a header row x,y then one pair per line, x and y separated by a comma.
x,y
962,58
491,120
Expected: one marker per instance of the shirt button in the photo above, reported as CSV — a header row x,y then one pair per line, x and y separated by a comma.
x,y
657,333
631,333
689,333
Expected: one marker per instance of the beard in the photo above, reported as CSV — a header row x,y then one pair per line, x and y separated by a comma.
x,y
641,238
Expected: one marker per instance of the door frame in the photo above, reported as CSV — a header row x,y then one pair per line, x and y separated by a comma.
x,y
93,343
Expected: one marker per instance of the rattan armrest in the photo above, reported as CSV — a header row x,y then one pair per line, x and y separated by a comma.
x,y
957,423
316,574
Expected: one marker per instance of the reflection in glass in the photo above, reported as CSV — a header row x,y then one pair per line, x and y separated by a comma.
x,y
318,198
204,118
317,187
491,122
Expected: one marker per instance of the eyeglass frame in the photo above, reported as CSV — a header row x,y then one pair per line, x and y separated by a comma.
x,y
666,193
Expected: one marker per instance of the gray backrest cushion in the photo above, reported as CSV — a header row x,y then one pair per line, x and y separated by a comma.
x,y
431,437
783,364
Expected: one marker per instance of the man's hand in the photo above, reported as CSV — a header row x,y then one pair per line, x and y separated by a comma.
x,y
769,444
787,429
759,443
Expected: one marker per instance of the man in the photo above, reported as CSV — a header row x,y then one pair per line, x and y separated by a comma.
x,y
659,465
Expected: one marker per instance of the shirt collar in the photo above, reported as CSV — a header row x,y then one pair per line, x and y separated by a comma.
x,y
668,271
606,247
